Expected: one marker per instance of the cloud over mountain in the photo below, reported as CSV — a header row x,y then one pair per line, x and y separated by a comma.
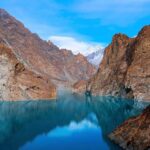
x,y
76,46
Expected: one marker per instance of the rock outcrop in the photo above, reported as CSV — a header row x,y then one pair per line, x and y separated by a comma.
x,y
125,68
80,86
19,83
61,66
134,134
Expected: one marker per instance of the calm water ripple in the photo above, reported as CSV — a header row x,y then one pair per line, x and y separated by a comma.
x,y
72,122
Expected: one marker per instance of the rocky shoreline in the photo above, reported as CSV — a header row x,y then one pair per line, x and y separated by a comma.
x,y
134,134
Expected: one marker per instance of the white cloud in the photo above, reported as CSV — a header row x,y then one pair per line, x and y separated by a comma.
x,y
76,46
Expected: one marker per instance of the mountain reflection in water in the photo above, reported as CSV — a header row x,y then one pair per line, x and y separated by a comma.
x,y
72,122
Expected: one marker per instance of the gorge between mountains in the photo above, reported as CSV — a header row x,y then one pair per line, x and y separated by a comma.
x,y
34,69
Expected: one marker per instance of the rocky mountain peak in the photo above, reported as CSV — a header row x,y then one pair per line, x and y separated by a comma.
x,y
41,56
3,12
124,70
80,56
119,36
67,52
145,31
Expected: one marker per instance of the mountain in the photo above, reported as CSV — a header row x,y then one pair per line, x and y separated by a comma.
x,y
124,70
96,57
19,83
134,133
42,57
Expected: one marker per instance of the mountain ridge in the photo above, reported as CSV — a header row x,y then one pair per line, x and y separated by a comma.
x,y
124,70
41,56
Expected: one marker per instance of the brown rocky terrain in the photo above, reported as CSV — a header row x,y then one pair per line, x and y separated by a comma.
x,y
125,68
19,83
79,86
42,57
134,134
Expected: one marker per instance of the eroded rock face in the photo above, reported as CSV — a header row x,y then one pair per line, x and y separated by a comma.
x,y
80,86
124,70
134,134
19,83
61,66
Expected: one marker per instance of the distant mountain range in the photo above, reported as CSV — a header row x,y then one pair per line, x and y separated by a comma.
x,y
95,57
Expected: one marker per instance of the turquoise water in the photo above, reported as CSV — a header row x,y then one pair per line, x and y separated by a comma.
x,y
72,122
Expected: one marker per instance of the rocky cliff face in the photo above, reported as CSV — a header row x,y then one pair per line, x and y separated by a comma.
x,y
19,83
61,66
80,86
124,70
134,134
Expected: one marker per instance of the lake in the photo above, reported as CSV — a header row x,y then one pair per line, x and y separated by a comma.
x,y
72,122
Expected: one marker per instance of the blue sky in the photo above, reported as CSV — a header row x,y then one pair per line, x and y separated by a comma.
x,y
85,24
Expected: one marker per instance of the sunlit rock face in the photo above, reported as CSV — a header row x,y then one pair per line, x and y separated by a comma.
x,y
61,66
19,83
134,133
80,86
124,70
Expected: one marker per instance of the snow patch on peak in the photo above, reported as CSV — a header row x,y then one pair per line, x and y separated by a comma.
x,y
96,57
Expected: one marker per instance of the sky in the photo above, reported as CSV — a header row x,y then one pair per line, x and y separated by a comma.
x,y
80,25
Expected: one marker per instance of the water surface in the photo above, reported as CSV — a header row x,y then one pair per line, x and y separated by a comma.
x,y
72,122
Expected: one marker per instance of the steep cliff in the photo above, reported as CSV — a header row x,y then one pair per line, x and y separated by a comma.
x,y
61,66
134,134
125,68
80,86
19,83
